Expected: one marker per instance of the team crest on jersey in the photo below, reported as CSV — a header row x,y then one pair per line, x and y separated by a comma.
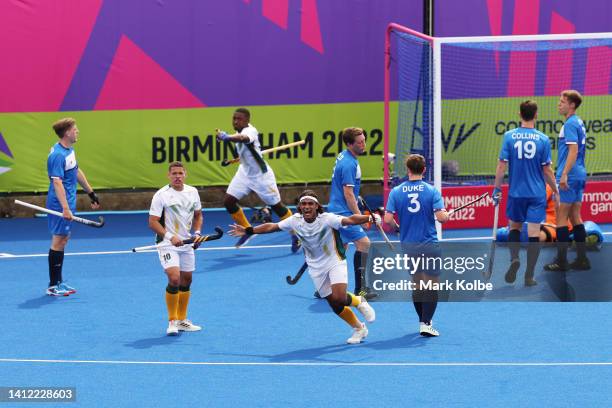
x,y
70,161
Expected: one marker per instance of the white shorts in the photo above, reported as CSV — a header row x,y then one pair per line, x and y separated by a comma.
x,y
170,257
323,280
264,186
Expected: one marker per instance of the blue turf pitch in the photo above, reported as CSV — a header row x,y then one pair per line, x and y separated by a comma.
x,y
266,343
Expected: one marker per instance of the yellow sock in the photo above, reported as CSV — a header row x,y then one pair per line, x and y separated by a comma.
x,y
289,214
355,300
240,218
349,316
183,302
172,301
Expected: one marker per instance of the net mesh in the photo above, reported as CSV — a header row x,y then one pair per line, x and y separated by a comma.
x,y
415,102
483,84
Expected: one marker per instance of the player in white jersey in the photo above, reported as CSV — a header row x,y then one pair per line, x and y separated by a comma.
x,y
176,211
324,252
253,174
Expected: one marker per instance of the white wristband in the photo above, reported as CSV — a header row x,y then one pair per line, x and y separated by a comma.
x,y
168,236
198,232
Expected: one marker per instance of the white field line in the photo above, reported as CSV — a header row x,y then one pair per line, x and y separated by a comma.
x,y
315,364
224,248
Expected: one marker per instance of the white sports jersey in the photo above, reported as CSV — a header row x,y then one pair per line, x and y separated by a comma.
x,y
176,209
248,164
321,240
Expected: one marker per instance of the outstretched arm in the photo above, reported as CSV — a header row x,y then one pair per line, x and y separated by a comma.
x,y
234,138
357,219
238,230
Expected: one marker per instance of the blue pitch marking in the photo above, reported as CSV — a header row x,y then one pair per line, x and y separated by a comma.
x,y
251,315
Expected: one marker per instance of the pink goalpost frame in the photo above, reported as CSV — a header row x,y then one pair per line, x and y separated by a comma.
x,y
387,84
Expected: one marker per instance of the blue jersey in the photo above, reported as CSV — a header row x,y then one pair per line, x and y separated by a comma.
x,y
526,150
62,164
346,173
415,203
572,132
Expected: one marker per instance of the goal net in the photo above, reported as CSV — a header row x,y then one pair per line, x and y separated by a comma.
x,y
454,98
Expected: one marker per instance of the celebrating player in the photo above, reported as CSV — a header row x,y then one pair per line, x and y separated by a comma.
x,y
253,174
571,176
64,173
345,185
527,153
175,211
325,256
416,203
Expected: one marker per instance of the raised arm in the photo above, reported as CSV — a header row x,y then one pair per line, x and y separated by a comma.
x,y
234,138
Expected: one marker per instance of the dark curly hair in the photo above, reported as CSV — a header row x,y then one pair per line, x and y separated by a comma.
x,y
312,194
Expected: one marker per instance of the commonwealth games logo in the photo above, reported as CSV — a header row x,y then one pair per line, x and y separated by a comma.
x,y
5,156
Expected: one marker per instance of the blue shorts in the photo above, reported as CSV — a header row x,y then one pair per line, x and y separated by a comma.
x,y
351,233
58,225
574,193
532,209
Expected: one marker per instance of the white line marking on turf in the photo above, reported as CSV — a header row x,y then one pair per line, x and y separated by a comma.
x,y
226,248
148,250
359,364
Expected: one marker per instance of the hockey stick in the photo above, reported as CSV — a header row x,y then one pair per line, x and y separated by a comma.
x,y
271,150
298,275
91,223
489,271
461,207
210,237
380,228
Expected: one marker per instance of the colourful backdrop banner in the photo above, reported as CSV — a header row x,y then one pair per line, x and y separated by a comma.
x,y
132,149
473,130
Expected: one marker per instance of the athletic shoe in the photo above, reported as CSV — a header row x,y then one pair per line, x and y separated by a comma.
x,y
66,287
580,264
316,294
530,282
296,244
367,293
172,329
556,266
359,333
510,276
56,291
243,240
366,310
186,325
427,330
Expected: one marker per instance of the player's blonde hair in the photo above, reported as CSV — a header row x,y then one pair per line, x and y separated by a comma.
x,y
176,164
573,96
61,126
